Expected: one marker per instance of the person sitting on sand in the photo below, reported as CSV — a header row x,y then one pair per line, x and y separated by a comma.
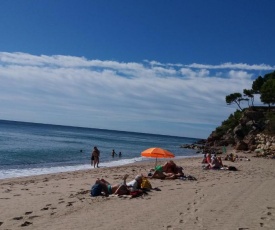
x,y
216,163
208,158
168,167
219,159
231,157
204,160
103,187
135,185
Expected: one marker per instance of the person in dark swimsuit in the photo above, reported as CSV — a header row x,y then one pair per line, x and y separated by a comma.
x,y
95,156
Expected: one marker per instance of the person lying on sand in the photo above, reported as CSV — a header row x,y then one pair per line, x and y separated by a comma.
x,y
231,157
167,171
103,187
179,172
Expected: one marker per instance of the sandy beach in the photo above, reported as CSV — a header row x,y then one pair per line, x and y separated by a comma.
x,y
219,199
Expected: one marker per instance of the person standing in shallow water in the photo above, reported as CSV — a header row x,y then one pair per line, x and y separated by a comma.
x,y
113,153
95,156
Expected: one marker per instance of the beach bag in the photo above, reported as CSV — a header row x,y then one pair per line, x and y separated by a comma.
x,y
145,184
96,190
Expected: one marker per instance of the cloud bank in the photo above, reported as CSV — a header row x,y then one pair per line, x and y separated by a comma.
x,y
150,97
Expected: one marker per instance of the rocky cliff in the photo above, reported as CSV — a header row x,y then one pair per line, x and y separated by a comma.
x,y
252,130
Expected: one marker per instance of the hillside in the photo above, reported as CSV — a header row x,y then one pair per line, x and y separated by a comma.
x,y
252,130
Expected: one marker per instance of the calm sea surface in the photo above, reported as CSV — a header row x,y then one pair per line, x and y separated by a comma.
x,y
32,149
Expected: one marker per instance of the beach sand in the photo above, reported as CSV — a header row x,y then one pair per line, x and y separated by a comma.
x,y
219,199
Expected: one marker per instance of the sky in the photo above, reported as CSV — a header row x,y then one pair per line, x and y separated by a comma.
x,y
150,66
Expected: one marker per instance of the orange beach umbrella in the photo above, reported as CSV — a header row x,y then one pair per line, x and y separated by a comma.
x,y
157,153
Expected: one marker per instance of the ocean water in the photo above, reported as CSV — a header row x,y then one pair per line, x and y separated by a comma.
x,y
32,149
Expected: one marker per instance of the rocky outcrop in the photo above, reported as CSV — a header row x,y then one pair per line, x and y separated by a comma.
x,y
250,133
265,145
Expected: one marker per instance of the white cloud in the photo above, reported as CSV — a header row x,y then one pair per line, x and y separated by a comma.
x,y
115,95
230,65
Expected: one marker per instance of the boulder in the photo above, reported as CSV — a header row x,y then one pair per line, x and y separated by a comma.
x,y
241,145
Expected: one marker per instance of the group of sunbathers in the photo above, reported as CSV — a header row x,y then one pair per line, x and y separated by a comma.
x,y
212,161
103,187
167,171
232,157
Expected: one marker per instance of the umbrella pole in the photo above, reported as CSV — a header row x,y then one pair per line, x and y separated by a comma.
x,y
156,163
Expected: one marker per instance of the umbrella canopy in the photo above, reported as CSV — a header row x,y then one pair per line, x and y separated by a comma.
x,y
157,153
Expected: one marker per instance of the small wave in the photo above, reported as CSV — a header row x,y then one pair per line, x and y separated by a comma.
x,y
12,173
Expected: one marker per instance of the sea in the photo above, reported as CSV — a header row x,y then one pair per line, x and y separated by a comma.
x,y
28,149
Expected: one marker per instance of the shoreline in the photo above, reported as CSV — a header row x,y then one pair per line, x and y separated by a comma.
x,y
217,200
27,172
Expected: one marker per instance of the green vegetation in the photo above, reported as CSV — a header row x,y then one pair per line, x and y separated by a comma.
x,y
265,86
234,97
271,123
250,94
229,124
268,92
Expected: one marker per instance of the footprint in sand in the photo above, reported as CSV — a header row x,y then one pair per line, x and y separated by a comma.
x,y
70,204
18,218
1,223
46,208
28,213
26,223
32,217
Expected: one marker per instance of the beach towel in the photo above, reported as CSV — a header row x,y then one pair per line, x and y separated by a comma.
x,y
136,193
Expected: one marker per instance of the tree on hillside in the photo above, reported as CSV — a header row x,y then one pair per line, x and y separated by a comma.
x,y
257,84
268,92
234,98
269,76
249,93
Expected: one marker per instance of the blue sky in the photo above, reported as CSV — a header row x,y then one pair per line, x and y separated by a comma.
x,y
150,66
